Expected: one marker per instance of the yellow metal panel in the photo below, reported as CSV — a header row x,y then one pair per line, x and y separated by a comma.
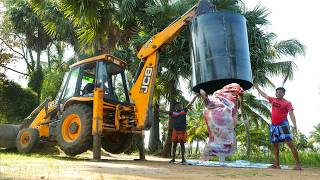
x,y
43,129
97,111
117,117
142,91
83,99
103,57
165,36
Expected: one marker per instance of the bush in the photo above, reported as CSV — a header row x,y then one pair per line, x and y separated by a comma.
x,y
16,102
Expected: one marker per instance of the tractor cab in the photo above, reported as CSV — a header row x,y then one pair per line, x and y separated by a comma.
x,y
94,99
104,71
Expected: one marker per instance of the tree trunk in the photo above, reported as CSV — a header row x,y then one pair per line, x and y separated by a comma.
x,y
197,148
38,59
247,128
39,75
32,60
166,151
154,138
48,54
248,146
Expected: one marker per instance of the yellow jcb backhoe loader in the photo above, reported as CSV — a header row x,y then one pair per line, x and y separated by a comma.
x,y
89,112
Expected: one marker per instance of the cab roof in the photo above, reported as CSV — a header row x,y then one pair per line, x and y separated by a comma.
x,y
103,57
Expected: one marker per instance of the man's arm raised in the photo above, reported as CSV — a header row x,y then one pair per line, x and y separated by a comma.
x,y
192,101
263,94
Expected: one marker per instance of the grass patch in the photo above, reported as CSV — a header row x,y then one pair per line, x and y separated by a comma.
x,y
11,157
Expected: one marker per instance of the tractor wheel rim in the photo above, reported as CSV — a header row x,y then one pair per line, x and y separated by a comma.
x,y
70,134
25,138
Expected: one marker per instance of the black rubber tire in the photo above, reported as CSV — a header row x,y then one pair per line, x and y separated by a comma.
x,y
117,142
33,140
84,140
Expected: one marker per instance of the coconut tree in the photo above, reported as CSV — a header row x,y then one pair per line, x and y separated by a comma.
x,y
266,54
197,128
252,129
98,25
315,135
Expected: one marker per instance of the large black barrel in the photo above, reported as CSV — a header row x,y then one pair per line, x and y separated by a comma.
x,y
219,51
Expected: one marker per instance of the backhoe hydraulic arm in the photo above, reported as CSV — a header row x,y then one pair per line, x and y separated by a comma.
x,y
142,91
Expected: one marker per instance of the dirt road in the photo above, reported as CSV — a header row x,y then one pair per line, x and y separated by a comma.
x,y
14,166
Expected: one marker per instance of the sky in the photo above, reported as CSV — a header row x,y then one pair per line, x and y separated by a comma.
x,y
289,19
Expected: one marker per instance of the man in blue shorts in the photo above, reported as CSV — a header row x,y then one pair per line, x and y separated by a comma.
x,y
179,133
280,129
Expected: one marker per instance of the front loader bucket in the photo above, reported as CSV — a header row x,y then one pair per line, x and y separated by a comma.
x,y
8,134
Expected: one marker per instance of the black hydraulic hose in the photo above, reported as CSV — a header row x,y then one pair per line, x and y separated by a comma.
x,y
140,67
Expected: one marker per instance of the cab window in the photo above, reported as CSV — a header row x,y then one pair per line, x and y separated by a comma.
x,y
72,83
87,79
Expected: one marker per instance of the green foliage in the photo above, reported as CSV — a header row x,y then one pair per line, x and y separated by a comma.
x,y
53,77
35,81
51,84
4,57
302,142
97,25
16,102
315,135
197,128
27,23
53,20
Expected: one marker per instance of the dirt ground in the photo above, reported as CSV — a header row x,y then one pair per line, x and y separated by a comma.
x,y
124,167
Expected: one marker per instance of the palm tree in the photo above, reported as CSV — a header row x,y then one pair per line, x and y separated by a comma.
x,y
197,128
99,25
55,24
254,125
265,53
315,135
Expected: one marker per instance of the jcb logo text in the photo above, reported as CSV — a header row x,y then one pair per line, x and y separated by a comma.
x,y
146,80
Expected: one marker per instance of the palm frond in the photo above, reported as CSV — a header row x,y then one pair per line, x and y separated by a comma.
x,y
290,47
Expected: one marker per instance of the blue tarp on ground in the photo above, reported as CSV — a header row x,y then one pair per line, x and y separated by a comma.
x,y
234,164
